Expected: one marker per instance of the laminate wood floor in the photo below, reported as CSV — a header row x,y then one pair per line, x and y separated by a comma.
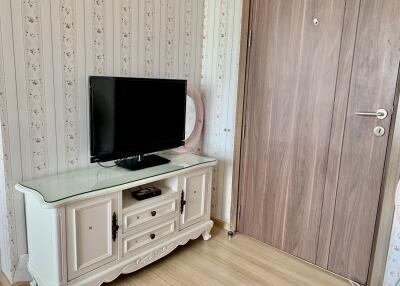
x,y
222,261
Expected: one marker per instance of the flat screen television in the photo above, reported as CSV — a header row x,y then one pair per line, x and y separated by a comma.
x,y
131,117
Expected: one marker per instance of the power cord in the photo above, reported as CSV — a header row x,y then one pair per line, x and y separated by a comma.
x,y
117,163
104,166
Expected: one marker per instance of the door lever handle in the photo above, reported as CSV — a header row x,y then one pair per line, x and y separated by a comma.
x,y
380,113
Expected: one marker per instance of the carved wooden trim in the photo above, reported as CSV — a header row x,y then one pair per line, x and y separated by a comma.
x,y
163,250
140,261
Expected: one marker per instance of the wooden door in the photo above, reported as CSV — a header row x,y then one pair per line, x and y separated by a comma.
x,y
291,77
194,192
287,194
373,86
90,243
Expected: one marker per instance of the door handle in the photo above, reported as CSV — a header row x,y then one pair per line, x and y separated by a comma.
x,y
380,113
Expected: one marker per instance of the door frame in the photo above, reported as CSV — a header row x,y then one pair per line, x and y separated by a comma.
x,y
391,170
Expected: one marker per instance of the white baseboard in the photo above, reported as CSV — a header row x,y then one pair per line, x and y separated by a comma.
x,y
220,223
21,272
3,280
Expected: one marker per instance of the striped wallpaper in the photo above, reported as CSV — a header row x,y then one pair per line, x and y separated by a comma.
x,y
48,48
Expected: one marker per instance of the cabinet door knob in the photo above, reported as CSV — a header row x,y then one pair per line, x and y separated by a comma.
x,y
183,202
115,226
152,236
153,213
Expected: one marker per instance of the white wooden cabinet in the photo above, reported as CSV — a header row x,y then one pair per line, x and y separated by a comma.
x,y
84,227
89,234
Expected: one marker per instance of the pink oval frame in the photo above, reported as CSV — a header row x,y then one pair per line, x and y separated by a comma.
x,y
194,137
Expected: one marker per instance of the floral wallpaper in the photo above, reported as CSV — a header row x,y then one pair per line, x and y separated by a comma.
x,y
392,275
187,39
143,29
126,36
68,40
35,86
217,100
6,196
219,77
99,7
149,37
170,44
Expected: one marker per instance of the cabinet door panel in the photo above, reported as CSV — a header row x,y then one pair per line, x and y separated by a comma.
x,y
89,235
194,188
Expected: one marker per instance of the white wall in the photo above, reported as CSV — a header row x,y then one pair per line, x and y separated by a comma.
x,y
392,273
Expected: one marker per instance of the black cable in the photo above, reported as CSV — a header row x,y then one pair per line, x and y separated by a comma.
x,y
104,166
117,163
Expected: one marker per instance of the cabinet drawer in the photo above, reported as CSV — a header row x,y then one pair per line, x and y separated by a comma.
x,y
135,241
142,215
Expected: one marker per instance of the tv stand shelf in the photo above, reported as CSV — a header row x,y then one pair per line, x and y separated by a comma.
x,y
85,228
128,201
141,162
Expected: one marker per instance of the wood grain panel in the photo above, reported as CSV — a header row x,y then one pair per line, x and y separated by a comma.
x,y
290,94
373,85
337,131
240,110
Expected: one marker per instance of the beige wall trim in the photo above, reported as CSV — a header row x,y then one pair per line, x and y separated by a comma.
x,y
4,281
220,223
239,113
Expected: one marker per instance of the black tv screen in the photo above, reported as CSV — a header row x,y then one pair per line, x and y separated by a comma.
x,y
135,116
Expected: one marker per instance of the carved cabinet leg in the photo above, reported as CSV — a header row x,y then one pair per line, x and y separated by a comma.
x,y
206,235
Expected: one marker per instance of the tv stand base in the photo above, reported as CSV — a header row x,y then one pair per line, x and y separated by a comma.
x,y
109,273
142,162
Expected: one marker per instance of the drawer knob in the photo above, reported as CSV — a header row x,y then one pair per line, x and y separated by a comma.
x,y
153,213
152,236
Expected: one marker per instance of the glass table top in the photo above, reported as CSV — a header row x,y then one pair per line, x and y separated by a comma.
x,y
62,186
